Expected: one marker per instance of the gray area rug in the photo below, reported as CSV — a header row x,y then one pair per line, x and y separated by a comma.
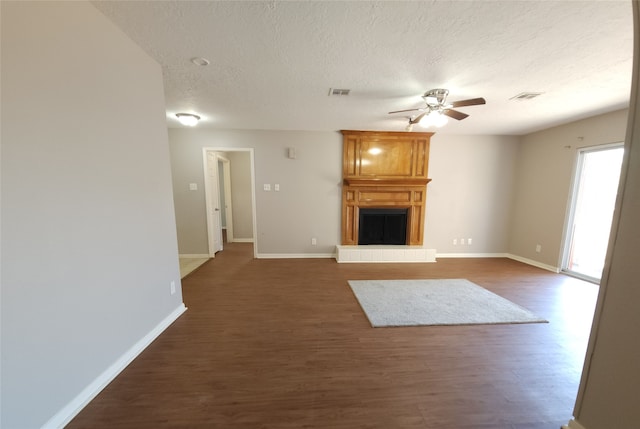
x,y
435,302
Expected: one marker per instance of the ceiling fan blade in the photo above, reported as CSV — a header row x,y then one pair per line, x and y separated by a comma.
x,y
417,118
470,102
455,114
408,110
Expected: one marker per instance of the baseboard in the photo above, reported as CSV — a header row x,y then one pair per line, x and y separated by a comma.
x,y
66,414
194,255
242,240
295,255
534,263
472,255
573,424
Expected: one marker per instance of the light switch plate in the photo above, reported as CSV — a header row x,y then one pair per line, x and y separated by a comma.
x,y
193,186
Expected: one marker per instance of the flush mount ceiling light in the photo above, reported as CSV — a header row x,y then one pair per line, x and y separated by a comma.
x,y
200,61
188,119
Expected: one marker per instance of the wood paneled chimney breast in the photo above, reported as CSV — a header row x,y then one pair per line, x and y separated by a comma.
x,y
384,170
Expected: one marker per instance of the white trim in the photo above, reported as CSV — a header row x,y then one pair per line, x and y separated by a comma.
x,y
472,255
534,263
253,187
573,424
295,255
69,411
193,255
243,240
384,254
386,261
254,204
580,276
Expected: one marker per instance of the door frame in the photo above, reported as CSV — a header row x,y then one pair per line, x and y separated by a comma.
x,y
567,233
227,203
253,191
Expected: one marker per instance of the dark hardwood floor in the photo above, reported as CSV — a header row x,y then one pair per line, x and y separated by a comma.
x,y
284,344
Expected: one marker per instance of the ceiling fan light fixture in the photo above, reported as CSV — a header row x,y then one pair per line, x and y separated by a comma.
x,y
434,118
437,111
431,100
436,97
188,119
440,120
426,121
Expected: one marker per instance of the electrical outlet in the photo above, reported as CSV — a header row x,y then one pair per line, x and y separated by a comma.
x,y
314,241
455,241
173,287
276,187
462,241
538,248
469,241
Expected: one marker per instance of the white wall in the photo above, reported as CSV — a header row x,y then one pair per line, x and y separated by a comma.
x,y
241,198
308,204
190,207
88,231
470,195
544,173
471,192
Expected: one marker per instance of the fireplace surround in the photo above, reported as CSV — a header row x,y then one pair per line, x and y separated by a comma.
x,y
384,170
389,171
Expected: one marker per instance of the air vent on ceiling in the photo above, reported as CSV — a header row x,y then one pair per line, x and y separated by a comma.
x,y
525,96
337,91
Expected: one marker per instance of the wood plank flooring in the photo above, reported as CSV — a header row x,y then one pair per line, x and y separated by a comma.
x,y
284,344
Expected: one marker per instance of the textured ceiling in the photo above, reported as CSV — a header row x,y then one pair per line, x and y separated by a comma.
x,y
273,63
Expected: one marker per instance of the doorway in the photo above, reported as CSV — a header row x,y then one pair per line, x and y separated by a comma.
x,y
229,196
593,199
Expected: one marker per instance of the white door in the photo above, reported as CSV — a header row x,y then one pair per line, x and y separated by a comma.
x,y
213,204
593,200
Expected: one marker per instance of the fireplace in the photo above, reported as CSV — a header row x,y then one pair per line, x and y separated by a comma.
x,y
382,226
384,194
384,171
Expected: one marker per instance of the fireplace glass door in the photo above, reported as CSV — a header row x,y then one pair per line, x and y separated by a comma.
x,y
382,226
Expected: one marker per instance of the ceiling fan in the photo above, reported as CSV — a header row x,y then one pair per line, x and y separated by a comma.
x,y
436,108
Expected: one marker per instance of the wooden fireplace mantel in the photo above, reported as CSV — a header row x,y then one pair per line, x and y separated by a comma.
x,y
385,182
384,169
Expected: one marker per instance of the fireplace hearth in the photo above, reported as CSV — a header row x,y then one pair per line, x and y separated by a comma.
x,y
382,226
